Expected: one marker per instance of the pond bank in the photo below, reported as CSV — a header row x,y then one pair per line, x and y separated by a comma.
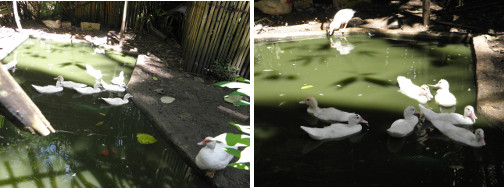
x,y
185,122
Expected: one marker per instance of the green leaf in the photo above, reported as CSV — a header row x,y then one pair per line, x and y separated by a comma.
x,y
233,152
2,118
167,99
241,103
241,166
155,78
241,79
100,123
233,99
307,87
145,138
242,128
237,93
232,139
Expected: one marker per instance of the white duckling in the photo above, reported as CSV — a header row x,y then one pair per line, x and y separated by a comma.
x,y
342,17
325,114
213,156
89,90
443,96
274,7
97,74
118,101
113,88
465,121
69,84
461,135
49,88
403,127
422,94
336,130
119,79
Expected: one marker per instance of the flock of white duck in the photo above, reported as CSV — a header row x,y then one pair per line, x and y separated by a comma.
x,y
455,126
117,85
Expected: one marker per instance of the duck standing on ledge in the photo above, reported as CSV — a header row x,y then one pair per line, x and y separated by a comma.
x,y
213,156
341,18
274,7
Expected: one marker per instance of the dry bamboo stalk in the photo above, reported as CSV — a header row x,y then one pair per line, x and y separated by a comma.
x,y
229,34
205,36
218,33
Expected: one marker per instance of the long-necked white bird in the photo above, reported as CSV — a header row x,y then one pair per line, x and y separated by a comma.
x,y
119,79
325,114
465,121
341,18
97,74
49,88
118,101
213,156
403,127
443,96
422,94
69,84
336,130
88,90
453,132
113,88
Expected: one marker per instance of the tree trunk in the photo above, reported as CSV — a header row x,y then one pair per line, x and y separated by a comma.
x,y
16,15
426,12
19,108
125,11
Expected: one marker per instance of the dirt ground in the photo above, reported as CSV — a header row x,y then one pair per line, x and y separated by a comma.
x,y
193,115
471,18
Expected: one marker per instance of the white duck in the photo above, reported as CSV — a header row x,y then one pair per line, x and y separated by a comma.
x,y
342,17
97,74
274,7
69,84
89,90
403,127
422,94
113,88
213,156
50,88
119,79
443,96
336,130
118,101
461,135
465,121
325,114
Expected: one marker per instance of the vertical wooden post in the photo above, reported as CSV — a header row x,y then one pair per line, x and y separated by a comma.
x,y
123,23
16,16
426,12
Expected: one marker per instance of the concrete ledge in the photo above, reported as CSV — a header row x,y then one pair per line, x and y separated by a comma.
x,y
489,77
191,117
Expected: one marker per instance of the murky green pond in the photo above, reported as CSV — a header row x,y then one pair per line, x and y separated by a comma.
x,y
95,144
358,74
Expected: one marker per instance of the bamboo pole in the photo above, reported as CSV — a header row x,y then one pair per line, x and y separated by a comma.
x,y
16,16
216,35
205,36
125,11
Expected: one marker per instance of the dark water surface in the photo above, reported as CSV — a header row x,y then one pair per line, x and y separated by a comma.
x,y
95,144
362,79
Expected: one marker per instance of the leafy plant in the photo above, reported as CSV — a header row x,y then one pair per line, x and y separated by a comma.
x,y
2,118
223,70
145,138
244,90
240,140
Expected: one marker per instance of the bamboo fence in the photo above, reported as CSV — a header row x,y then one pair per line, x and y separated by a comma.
x,y
216,30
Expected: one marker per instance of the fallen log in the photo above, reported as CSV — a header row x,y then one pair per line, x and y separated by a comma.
x,y
19,108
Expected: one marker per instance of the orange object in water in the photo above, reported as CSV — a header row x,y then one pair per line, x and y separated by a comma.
x,y
105,153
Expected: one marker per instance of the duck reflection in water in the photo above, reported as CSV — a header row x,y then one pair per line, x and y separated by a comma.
x,y
342,45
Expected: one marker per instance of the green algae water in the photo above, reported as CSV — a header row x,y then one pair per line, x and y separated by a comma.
x,y
95,145
358,74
